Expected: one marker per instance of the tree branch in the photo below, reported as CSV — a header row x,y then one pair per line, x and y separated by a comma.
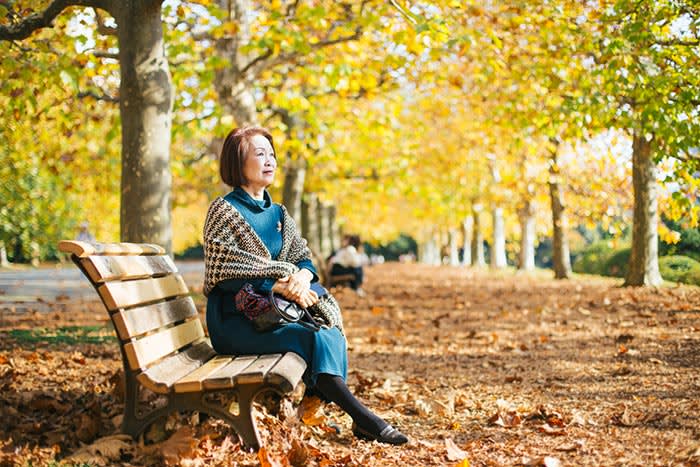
x,y
36,21
679,42
103,54
102,28
103,97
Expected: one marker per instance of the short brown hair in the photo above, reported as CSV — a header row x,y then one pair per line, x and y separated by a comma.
x,y
233,154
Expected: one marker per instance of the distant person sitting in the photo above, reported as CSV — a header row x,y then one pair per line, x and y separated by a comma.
x,y
84,235
350,260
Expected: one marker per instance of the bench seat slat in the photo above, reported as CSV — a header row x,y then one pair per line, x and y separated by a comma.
x,y
83,249
287,372
109,268
193,381
126,294
136,321
224,377
148,349
255,373
161,376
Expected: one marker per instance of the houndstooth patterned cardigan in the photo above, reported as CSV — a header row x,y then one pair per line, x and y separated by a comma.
x,y
232,250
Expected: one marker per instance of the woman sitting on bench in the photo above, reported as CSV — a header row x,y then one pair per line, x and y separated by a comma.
x,y
350,260
248,239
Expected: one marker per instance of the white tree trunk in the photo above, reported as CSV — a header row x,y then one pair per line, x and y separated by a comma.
x,y
527,237
643,267
560,244
478,258
453,249
498,248
467,234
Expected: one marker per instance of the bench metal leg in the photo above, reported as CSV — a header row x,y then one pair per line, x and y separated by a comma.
x,y
137,418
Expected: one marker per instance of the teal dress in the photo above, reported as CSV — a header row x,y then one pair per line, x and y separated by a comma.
x,y
325,351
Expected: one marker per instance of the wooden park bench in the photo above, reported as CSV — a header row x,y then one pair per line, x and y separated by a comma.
x,y
163,345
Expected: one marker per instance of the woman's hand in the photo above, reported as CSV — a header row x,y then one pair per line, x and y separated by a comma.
x,y
297,288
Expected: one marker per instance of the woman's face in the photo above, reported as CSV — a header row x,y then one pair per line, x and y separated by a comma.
x,y
260,163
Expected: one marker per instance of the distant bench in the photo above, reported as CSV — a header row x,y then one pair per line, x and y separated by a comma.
x,y
163,345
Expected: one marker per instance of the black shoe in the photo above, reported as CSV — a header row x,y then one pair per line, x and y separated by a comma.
x,y
388,435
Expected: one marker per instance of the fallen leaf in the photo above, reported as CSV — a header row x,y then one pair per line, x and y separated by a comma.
x,y
268,460
298,454
88,426
507,420
545,461
311,411
454,453
109,448
552,431
570,447
180,445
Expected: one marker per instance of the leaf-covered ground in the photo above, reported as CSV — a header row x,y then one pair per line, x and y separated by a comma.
x,y
477,368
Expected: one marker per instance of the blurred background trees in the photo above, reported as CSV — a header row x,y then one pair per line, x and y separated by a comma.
x,y
561,133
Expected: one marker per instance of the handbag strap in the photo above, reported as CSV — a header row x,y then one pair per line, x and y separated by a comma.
x,y
297,318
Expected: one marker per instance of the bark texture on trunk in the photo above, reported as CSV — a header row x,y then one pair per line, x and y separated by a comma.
x,y
335,229
643,267
560,245
310,225
145,101
294,178
498,248
527,237
467,234
478,258
325,230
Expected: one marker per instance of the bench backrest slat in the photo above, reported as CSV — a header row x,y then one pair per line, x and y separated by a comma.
x,y
83,249
109,268
160,376
146,350
136,321
130,293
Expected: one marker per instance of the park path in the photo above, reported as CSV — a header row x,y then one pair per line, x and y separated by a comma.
x,y
49,288
497,368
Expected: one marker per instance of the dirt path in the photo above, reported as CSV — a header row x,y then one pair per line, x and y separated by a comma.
x,y
498,369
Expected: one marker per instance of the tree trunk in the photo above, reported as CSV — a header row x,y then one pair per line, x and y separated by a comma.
x,y
560,244
498,249
295,168
527,237
294,177
235,88
452,246
477,252
310,225
145,101
325,230
428,251
335,230
3,255
643,267
467,234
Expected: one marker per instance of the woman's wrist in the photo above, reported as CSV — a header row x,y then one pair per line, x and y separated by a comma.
x,y
306,274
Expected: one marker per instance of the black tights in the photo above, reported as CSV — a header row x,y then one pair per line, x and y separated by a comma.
x,y
334,389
